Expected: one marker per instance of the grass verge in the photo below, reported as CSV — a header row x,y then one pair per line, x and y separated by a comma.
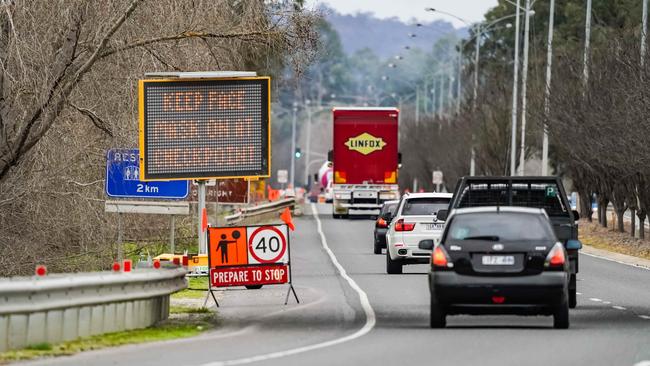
x,y
197,286
184,322
592,234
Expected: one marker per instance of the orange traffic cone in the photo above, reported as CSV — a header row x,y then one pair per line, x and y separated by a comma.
x,y
286,217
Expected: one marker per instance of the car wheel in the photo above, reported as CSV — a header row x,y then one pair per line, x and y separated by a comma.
x,y
377,248
392,267
561,314
573,299
254,287
437,317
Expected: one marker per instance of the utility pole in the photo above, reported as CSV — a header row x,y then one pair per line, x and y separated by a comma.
x,y
524,99
547,96
417,105
440,98
450,95
472,163
460,75
308,142
644,31
585,62
515,98
293,146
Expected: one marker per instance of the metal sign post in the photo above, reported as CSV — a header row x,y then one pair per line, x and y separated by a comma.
x,y
202,242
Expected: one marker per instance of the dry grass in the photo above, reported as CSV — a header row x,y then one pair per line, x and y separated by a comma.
x,y
599,237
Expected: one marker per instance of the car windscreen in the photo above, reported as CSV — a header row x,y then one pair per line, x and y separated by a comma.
x,y
424,206
505,226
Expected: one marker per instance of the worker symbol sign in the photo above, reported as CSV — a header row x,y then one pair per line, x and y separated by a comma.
x,y
228,247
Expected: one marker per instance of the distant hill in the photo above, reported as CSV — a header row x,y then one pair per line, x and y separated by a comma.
x,y
386,37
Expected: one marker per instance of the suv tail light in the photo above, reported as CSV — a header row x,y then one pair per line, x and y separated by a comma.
x,y
440,258
381,222
400,225
556,258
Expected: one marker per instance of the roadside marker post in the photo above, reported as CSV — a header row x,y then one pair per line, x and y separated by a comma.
x,y
249,256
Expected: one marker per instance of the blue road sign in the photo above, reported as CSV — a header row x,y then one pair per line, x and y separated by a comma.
x,y
123,178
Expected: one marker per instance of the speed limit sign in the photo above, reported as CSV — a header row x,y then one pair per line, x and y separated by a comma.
x,y
268,244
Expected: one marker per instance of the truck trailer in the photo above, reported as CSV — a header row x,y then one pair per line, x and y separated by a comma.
x,y
365,160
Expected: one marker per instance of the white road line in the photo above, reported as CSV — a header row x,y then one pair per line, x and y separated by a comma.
x,y
619,307
607,302
578,293
642,363
646,317
371,319
615,261
595,299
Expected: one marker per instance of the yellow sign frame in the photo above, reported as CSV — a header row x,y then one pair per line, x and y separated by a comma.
x,y
141,126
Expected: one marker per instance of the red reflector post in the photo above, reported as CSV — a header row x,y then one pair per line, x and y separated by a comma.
x,y
41,270
156,264
127,265
116,267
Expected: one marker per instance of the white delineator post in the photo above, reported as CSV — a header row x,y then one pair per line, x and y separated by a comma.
x,y
547,96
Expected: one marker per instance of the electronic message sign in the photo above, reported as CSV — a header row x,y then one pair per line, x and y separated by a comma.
x,y
204,128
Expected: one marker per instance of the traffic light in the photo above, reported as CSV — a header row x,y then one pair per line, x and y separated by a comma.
x,y
298,153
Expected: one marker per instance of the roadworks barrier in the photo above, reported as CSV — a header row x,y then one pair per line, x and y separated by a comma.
x,y
65,307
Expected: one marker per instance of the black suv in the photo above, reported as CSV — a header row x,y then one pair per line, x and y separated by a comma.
x,y
538,192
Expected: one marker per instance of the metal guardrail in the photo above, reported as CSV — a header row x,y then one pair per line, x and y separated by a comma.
x,y
265,208
64,307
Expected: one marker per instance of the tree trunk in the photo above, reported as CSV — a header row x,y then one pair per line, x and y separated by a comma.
x,y
633,224
620,224
585,205
603,202
642,215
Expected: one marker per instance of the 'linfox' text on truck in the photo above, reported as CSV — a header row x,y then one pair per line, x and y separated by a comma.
x,y
365,159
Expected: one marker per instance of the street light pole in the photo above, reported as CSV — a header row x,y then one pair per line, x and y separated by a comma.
x,y
547,96
308,142
585,62
293,145
644,31
515,98
524,99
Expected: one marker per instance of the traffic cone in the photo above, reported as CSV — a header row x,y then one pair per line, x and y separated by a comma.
x,y
286,217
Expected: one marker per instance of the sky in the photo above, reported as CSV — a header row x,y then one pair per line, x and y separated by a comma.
x,y
407,10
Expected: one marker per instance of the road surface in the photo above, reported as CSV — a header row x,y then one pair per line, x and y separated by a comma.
x,y
331,326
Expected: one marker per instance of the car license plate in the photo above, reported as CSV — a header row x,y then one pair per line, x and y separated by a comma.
x,y
433,226
498,260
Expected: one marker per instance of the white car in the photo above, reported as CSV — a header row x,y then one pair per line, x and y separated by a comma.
x,y
414,220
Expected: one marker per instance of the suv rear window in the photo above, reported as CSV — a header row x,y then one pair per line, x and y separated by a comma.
x,y
424,206
506,226
388,208
538,195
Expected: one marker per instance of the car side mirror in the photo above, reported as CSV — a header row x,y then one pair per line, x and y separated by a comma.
x,y
426,244
330,155
576,215
573,244
387,217
442,215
